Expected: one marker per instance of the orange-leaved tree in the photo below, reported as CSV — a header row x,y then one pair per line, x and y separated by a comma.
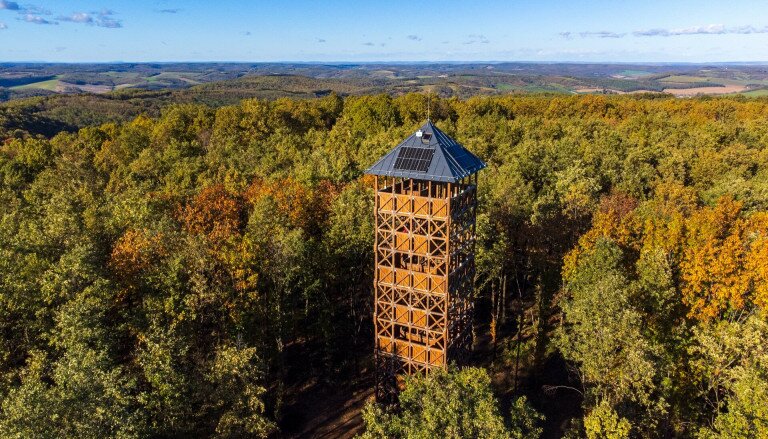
x,y
215,213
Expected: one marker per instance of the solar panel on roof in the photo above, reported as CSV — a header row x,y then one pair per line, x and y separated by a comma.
x,y
414,159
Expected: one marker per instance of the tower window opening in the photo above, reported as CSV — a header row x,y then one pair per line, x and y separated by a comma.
x,y
406,333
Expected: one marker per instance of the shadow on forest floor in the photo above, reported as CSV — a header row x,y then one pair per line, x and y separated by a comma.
x,y
558,406
321,409
327,411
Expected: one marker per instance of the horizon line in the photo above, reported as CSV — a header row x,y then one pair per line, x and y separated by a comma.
x,y
650,63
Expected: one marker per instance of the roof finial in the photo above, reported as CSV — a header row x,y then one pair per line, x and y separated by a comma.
x,y
429,101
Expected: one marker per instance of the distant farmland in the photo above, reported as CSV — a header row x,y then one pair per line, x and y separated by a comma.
x,y
715,90
269,81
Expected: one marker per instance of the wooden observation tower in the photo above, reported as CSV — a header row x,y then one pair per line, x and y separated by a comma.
x,y
426,202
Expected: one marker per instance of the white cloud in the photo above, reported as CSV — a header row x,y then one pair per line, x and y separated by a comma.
x,y
78,17
36,19
601,34
476,38
712,29
102,18
34,10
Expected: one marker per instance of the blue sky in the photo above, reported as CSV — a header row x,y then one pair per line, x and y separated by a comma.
x,y
395,30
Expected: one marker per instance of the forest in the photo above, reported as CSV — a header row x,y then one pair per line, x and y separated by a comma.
x,y
191,271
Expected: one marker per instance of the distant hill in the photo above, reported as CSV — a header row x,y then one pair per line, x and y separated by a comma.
x,y
273,80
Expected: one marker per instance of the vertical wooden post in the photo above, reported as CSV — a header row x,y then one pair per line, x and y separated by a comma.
x,y
376,329
448,296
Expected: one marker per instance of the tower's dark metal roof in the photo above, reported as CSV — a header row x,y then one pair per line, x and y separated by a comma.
x,y
428,154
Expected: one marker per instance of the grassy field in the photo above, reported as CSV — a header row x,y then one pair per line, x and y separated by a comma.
x,y
50,84
686,79
755,93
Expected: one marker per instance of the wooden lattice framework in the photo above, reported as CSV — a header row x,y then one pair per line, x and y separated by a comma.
x,y
425,266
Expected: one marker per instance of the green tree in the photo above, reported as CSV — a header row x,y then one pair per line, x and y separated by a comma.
x,y
602,332
457,404
82,393
603,423
732,361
